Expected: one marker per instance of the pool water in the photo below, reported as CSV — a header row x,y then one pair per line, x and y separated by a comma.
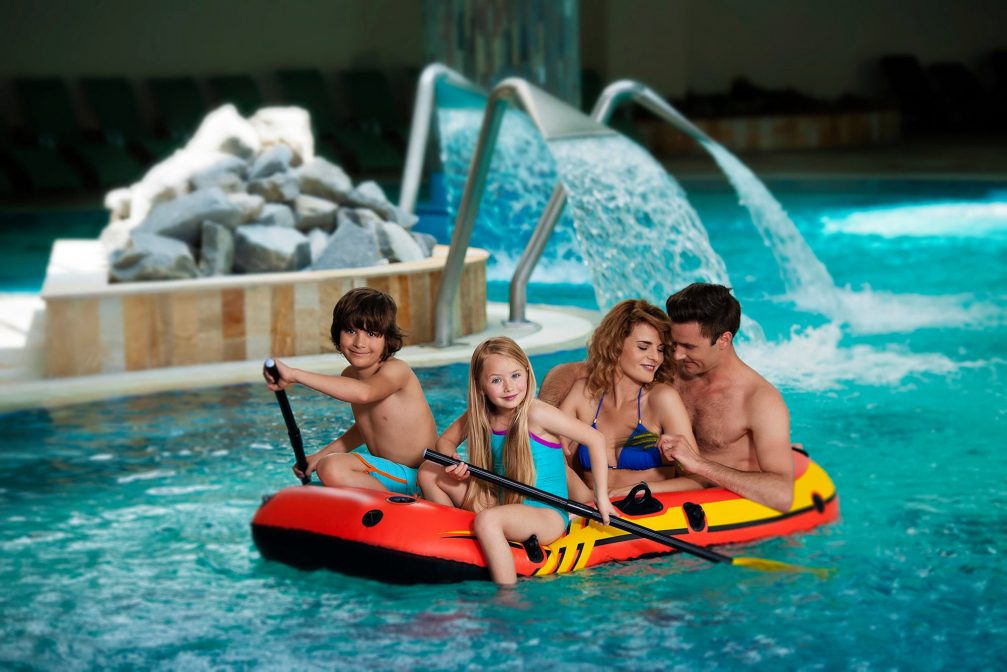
x,y
125,537
26,238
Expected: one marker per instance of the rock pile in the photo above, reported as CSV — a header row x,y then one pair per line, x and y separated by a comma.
x,y
249,196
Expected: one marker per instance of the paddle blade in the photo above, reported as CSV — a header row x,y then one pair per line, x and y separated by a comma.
x,y
764,565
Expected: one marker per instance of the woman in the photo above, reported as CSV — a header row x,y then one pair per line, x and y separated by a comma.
x,y
627,395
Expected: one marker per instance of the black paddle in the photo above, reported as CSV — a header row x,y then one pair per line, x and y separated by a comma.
x,y
288,417
591,513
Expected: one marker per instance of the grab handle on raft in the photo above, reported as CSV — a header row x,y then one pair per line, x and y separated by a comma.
x,y
288,418
591,513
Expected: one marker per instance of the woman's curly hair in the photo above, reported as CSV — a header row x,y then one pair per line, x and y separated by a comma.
x,y
605,347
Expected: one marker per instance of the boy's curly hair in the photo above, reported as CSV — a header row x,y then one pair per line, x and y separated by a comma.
x,y
370,310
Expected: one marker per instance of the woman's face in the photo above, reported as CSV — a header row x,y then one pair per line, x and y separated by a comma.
x,y
642,354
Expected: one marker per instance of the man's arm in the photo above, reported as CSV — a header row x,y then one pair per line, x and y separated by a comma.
x,y
558,382
773,486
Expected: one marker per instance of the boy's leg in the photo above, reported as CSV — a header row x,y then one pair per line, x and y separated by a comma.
x,y
495,526
347,470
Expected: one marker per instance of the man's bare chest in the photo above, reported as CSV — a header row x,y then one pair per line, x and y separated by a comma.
x,y
717,418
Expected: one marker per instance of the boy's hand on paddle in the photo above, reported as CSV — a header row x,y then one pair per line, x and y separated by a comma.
x,y
313,461
459,471
286,377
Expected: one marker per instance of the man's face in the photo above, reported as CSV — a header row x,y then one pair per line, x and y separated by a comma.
x,y
694,353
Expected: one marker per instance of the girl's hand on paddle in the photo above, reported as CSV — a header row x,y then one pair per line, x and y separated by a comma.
x,y
286,377
604,507
459,471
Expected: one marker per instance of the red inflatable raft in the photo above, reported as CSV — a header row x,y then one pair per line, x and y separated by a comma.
x,y
407,540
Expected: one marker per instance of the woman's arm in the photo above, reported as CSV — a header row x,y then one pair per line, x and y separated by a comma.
x,y
556,422
391,378
675,426
671,415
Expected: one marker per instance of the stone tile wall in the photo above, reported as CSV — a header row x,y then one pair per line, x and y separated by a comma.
x,y
93,327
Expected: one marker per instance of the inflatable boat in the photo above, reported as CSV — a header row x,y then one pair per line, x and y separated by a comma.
x,y
400,539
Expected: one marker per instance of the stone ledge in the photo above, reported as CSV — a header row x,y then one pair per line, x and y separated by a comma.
x,y
93,327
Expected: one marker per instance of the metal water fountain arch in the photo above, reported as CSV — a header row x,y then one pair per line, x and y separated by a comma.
x,y
553,119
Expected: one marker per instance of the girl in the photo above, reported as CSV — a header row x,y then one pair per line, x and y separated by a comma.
x,y
515,435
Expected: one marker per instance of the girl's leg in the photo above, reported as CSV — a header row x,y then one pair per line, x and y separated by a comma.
x,y
495,526
440,488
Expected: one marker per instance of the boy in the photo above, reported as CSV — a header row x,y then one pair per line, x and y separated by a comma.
x,y
392,420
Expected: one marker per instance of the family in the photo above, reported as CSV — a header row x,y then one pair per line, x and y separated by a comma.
x,y
662,398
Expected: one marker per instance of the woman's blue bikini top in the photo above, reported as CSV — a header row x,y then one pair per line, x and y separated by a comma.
x,y
640,450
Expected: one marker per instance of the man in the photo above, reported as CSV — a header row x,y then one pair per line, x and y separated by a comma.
x,y
740,420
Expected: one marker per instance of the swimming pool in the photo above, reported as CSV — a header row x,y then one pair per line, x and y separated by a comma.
x,y
125,539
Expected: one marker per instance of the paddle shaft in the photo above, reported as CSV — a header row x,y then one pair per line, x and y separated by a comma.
x,y
582,510
288,418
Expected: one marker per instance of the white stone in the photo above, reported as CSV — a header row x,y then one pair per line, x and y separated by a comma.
x,y
170,178
317,239
225,130
117,202
267,249
397,245
290,126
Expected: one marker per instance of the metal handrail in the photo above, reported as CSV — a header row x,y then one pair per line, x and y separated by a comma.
x,y
613,95
554,119
419,131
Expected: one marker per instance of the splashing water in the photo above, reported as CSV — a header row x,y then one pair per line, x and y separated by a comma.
x,y
806,279
521,178
637,230
813,359
960,220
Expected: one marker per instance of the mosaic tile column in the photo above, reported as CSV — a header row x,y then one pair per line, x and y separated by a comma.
x,y
489,40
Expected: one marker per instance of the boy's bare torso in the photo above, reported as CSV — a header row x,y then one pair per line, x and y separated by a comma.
x,y
400,426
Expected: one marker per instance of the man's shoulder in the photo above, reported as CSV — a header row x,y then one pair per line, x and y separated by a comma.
x,y
761,394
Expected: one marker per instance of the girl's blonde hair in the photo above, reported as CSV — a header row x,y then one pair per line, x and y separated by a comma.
x,y
605,347
518,464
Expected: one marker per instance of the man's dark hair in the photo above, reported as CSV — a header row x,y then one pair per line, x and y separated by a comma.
x,y
370,310
712,306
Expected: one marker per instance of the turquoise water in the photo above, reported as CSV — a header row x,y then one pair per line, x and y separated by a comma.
x,y
125,542
26,238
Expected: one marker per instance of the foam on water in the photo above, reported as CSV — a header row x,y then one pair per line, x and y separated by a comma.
x,y
814,359
942,219
868,312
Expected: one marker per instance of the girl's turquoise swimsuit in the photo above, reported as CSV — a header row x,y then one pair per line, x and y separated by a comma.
x,y
550,467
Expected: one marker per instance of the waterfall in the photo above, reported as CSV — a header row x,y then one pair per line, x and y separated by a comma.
x,y
521,178
637,230
804,276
